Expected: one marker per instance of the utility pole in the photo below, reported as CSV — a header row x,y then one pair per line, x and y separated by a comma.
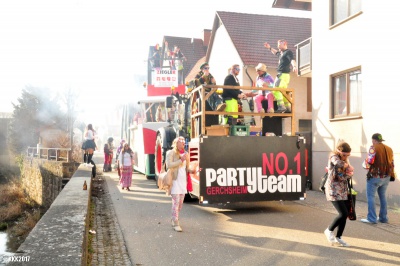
x,y
70,120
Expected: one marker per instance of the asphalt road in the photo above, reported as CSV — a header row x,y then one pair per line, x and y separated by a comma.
x,y
264,233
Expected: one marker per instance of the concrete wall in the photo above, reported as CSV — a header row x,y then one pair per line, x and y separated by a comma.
x,y
42,180
60,236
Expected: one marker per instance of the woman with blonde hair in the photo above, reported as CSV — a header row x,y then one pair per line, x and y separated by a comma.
x,y
177,161
336,187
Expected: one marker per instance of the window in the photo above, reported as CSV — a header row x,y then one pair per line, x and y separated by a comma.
x,y
347,93
342,9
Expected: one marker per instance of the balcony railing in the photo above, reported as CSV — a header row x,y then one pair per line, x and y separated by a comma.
x,y
304,58
200,93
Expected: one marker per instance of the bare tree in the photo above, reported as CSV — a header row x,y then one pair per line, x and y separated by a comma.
x,y
36,109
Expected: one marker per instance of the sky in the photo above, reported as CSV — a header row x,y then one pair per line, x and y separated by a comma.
x,y
95,47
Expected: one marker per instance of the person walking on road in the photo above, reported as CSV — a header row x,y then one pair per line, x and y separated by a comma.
x,y
126,165
119,149
108,154
336,188
177,161
380,165
89,145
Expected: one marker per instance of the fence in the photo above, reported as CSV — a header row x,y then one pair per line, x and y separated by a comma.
x,y
57,154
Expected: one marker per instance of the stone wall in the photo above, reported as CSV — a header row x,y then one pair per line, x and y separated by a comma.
x,y
43,180
60,236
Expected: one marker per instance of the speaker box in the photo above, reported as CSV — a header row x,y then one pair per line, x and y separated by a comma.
x,y
168,102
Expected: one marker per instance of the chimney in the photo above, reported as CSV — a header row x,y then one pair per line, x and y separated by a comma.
x,y
206,37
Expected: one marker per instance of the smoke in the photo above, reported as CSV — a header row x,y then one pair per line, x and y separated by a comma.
x,y
103,109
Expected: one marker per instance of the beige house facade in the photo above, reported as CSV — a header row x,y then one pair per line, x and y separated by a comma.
x,y
353,81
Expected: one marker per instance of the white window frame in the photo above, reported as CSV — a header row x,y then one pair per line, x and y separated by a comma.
x,y
346,94
343,10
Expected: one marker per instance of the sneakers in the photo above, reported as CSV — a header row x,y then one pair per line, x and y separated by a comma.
x,y
367,221
271,110
262,110
281,109
176,226
221,107
329,235
341,242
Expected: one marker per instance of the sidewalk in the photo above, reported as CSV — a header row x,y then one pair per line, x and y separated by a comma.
x,y
317,200
110,248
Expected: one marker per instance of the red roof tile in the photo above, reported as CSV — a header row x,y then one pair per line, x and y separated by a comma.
x,y
196,68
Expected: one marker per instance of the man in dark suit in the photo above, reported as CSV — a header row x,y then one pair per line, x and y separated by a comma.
x,y
231,96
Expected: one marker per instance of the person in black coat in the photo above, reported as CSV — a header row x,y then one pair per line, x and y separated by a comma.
x,y
204,77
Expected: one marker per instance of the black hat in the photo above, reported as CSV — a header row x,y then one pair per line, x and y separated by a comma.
x,y
203,65
378,137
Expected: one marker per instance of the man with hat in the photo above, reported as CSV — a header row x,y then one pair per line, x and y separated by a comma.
x,y
380,165
264,80
204,77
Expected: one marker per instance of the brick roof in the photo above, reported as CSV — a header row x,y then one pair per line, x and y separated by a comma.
x,y
192,48
249,32
196,68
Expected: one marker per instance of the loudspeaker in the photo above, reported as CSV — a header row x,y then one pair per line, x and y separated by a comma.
x,y
168,102
272,124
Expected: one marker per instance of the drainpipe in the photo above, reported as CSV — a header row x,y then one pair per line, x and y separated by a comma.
x,y
247,73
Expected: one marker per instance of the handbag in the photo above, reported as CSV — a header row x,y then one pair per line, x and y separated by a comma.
x,y
189,186
84,145
164,181
393,176
351,201
322,183
369,175
119,170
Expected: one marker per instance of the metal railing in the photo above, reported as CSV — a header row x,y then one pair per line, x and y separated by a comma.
x,y
57,154
304,58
